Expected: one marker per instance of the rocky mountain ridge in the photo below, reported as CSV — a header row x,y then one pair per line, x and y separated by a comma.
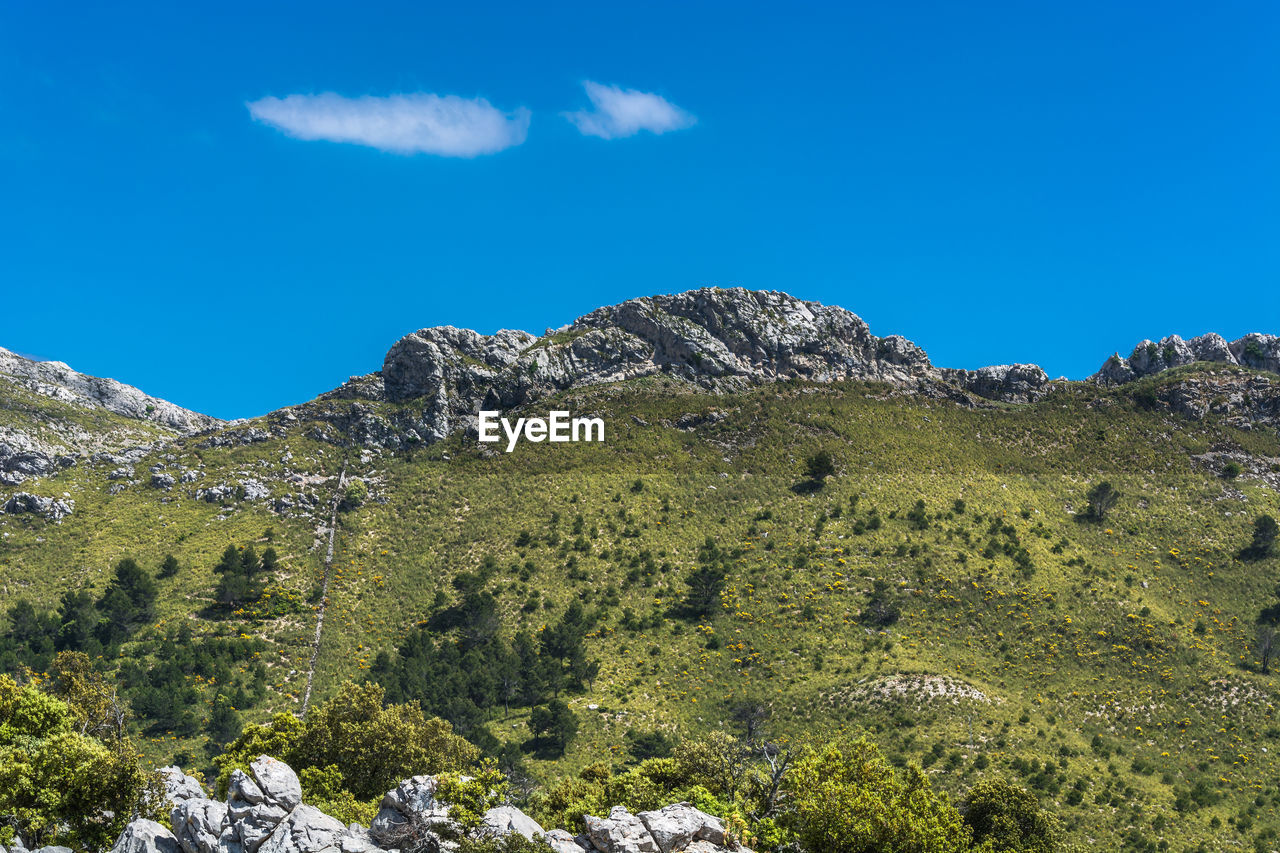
x,y
1255,351
59,381
54,416
713,339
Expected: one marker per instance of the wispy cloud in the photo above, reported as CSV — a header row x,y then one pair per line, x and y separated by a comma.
x,y
616,112
446,125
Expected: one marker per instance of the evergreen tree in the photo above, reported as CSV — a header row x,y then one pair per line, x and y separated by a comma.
x,y
703,598
554,725
819,466
1102,497
169,567
223,725
1265,532
77,619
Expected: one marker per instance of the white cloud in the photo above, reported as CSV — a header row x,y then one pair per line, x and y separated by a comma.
x,y
618,112
405,124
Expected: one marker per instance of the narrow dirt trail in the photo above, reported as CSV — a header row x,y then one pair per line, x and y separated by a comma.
x,y
324,593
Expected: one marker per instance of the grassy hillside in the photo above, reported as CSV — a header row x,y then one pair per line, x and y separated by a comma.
x,y
1110,666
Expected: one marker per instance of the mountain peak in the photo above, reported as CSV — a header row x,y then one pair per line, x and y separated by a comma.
x,y
716,339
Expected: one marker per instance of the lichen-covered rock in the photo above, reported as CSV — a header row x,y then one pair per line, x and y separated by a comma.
x,y
561,841
620,832
504,820
53,509
198,824
145,836
674,827
306,829
277,781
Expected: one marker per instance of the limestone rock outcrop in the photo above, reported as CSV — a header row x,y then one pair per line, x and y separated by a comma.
x,y
714,339
1255,351
58,381
54,509
264,813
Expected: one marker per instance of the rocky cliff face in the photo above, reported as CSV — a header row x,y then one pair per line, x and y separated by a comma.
x,y
1256,351
715,339
58,381
37,439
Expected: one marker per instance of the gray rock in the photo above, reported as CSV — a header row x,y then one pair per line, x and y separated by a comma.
x,y
53,509
198,824
1010,383
25,461
178,786
215,494
305,830
356,840
562,842
145,836
277,781
235,438
412,801
255,490
229,841
504,820
254,824
620,832
54,848
258,804
124,472
162,481
1261,352
699,846
1254,350
713,338
243,791
674,827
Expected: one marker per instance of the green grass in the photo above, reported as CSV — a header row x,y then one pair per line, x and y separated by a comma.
x,y
1092,660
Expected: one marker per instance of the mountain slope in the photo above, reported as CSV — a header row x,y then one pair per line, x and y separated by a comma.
x,y
942,591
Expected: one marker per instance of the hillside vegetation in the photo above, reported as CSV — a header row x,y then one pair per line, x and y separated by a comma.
x,y
942,593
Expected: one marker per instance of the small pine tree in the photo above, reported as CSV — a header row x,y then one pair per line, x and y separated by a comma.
x,y
169,567
1265,532
819,466
1102,497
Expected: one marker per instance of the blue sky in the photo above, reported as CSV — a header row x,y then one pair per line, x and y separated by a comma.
x,y
998,181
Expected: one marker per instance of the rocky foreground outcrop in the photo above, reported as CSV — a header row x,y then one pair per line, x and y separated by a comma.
x,y
264,813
